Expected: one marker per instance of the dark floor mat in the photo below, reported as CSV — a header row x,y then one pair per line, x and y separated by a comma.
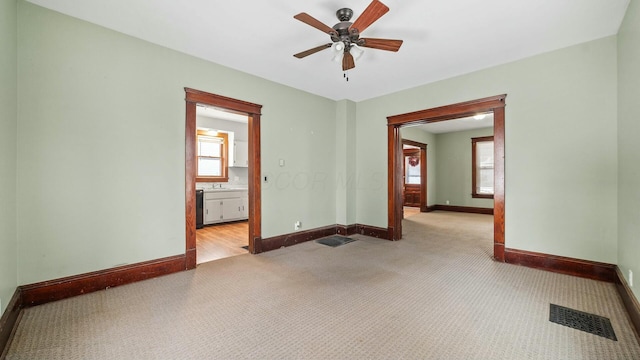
x,y
335,240
583,321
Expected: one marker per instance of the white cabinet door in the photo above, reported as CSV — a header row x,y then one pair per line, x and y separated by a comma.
x,y
245,207
212,211
241,154
231,209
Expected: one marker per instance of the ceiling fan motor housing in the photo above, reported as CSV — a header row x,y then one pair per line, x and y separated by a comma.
x,y
342,29
344,14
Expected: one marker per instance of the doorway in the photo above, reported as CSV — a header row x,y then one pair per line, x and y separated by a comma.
x,y
252,112
414,184
495,105
221,184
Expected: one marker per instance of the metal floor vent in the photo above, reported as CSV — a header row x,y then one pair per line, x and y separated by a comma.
x,y
583,321
335,240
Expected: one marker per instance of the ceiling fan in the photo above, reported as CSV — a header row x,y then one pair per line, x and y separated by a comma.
x,y
345,36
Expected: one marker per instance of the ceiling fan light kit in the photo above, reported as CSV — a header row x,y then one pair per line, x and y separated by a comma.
x,y
345,36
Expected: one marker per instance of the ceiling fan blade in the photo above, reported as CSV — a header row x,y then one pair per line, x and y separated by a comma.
x,y
300,55
382,44
310,20
348,62
373,12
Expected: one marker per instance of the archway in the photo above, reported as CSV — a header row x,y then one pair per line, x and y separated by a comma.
x,y
493,104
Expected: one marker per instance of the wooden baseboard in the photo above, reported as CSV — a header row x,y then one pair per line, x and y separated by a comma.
x,y
346,229
380,233
464,209
279,241
58,289
629,300
564,265
9,321
430,208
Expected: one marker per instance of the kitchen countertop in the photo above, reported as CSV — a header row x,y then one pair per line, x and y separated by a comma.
x,y
226,189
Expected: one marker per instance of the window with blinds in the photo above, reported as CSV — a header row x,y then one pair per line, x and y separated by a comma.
x,y
482,167
211,157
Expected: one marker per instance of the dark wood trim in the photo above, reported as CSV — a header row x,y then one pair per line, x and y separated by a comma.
x,y
375,232
279,241
414,143
253,112
630,302
498,183
190,185
9,321
480,196
255,185
233,105
493,104
346,229
394,181
482,138
474,168
449,112
430,208
563,265
289,239
58,289
464,209
423,178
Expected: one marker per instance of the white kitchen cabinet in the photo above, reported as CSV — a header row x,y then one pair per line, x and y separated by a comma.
x,y
245,205
212,211
222,206
231,209
240,153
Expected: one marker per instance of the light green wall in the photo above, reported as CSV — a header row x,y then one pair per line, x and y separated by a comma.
x,y
629,144
421,136
453,168
101,147
561,147
8,118
100,144
345,162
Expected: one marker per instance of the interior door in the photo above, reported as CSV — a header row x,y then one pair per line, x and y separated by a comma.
x,y
412,178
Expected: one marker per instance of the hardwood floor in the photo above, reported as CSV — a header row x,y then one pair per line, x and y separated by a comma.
x,y
221,240
409,210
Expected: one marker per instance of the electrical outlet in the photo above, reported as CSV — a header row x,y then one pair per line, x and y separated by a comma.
x,y
630,278
447,202
297,225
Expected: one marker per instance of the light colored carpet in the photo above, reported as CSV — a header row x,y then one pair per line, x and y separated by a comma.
x,y
434,295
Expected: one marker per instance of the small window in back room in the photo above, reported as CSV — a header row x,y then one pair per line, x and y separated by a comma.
x,y
482,167
211,156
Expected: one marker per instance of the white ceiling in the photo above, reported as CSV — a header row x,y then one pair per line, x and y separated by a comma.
x,y
441,38
220,114
460,124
